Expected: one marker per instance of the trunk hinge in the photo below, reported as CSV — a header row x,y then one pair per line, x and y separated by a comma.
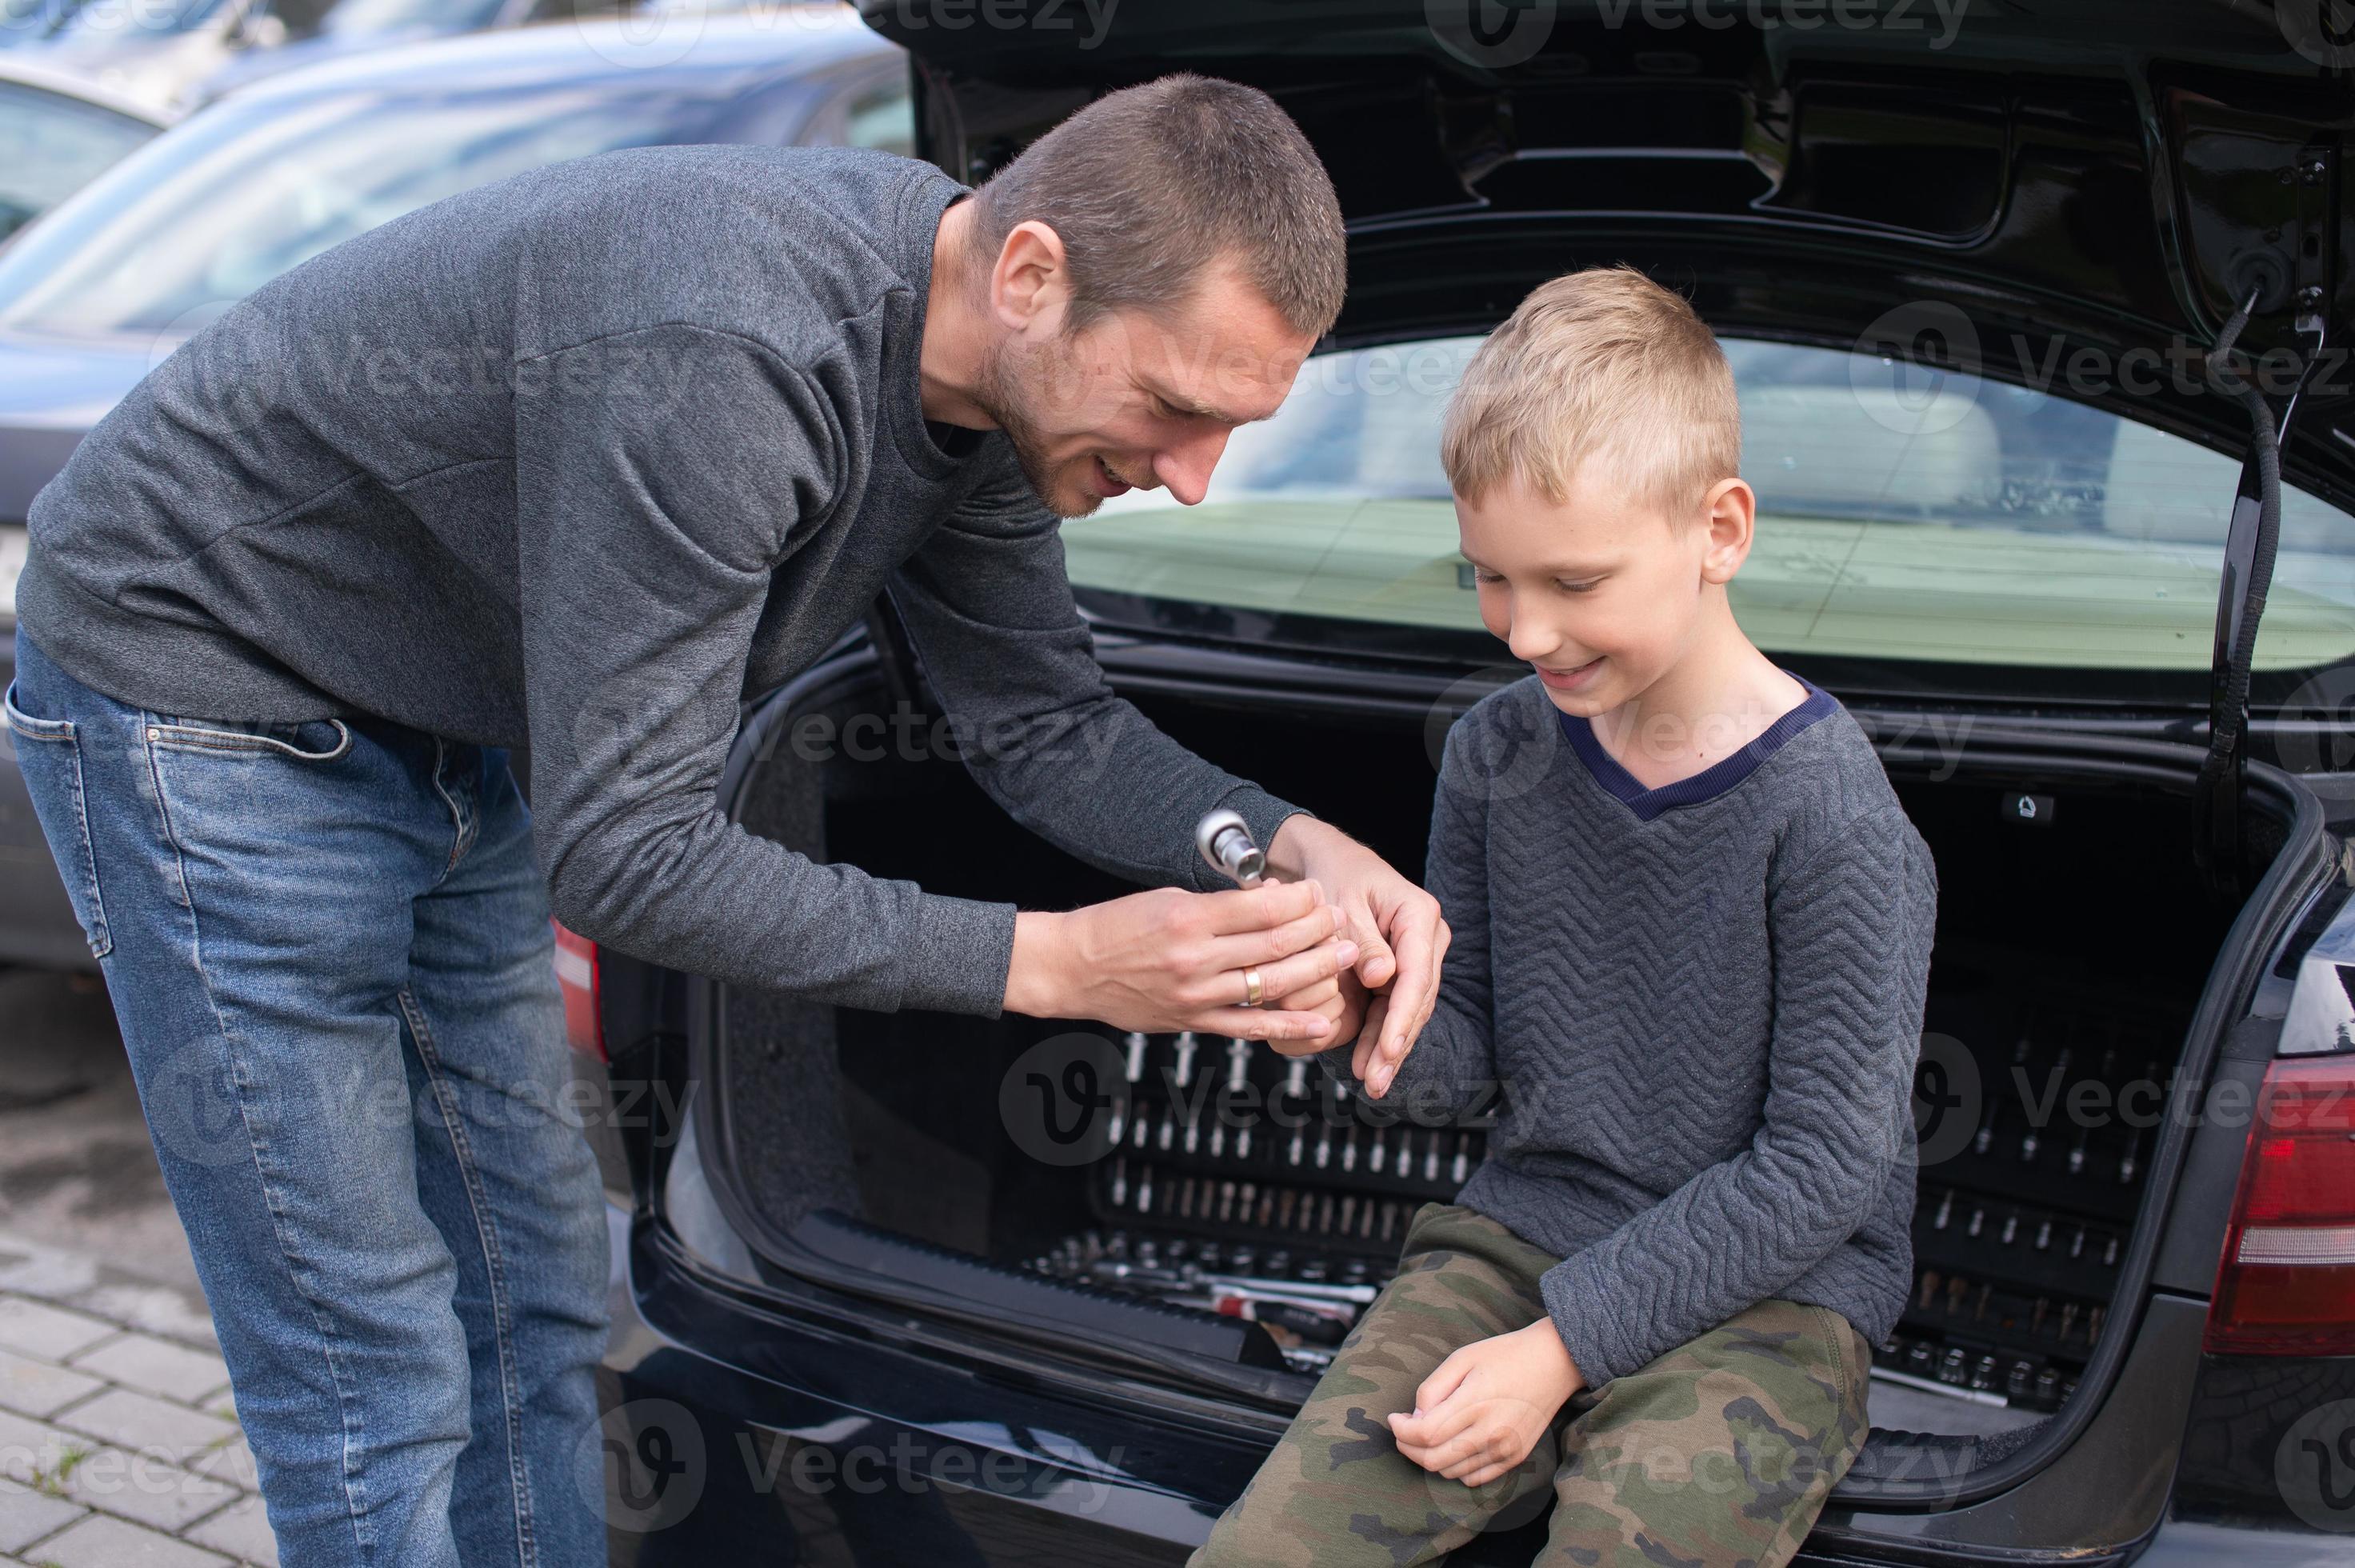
x,y
2250,540
2248,546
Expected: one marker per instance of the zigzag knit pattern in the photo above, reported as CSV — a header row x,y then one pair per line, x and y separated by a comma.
x,y
1704,1025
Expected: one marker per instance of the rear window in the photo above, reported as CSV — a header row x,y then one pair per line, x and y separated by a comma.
x,y
1959,533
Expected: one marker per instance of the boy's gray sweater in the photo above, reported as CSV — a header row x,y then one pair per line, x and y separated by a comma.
x,y
580,459
1703,1004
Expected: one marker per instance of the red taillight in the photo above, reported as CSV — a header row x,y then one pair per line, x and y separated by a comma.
x,y
2286,1283
576,976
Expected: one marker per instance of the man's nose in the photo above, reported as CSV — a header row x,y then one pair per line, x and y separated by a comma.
x,y
1185,468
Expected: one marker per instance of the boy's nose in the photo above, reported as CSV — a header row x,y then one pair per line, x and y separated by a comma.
x,y
1532,643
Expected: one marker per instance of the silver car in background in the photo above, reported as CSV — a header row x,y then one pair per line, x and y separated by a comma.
x,y
101,289
58,133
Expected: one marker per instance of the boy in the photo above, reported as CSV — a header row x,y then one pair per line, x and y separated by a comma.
x,y
1692,932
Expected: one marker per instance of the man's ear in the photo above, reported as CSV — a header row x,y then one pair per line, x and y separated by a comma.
x,y
1031,286
1729,513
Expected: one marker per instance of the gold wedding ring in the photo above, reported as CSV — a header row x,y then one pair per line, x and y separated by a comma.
x,y
1250,987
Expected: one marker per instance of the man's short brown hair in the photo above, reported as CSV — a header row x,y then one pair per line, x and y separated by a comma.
x,y
1148,184
1600,364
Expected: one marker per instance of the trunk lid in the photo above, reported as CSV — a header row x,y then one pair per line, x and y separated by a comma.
x,y
2032,194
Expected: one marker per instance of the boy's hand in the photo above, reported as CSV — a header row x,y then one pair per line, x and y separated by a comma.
x,y
1397,926
1486,1407
1340,999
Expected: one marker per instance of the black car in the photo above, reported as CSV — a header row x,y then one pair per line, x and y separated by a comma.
x,y
922,1288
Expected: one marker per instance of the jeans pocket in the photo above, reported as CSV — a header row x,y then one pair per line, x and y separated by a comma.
x,y
48,756
308,740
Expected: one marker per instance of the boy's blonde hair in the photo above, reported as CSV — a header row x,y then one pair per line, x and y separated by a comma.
x,y
1601,363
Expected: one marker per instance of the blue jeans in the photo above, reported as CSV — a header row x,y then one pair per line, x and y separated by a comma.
x,y
328,949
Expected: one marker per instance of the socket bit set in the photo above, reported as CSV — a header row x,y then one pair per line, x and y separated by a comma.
x,y
2019,1232
1225,1135
1256,1185
1245,1182
1307,1298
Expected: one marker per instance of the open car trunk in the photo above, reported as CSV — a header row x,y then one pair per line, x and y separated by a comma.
x,y
897,1157
1949,541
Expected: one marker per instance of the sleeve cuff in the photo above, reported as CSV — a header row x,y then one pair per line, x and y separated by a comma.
x,y
1583,1319
959,956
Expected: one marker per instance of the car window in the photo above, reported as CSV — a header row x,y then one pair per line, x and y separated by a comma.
x,y
51,145
882,118
205,214
1967,522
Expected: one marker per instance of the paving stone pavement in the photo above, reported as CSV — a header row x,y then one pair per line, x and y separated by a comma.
x,y
119,1443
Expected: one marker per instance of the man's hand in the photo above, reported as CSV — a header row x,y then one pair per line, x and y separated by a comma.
x,y
1487,1405
1169,960
1397,926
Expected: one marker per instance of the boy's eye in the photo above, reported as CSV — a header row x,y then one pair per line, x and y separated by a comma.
x,y
1478,575
1586,587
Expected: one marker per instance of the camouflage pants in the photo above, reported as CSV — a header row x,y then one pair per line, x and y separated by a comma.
x,y
1716,1455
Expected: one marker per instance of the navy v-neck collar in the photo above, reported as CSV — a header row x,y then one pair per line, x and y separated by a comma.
x,y
1711,780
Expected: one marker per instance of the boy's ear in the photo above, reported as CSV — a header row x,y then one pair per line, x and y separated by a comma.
x,y
1729,513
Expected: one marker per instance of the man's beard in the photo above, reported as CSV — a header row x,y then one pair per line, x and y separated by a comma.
x,y
1000,397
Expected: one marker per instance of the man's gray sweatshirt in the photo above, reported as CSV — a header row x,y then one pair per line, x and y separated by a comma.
x,y
1703,1004
580,460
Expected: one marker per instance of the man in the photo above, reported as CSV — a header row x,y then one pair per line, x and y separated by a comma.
x,y
579,460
